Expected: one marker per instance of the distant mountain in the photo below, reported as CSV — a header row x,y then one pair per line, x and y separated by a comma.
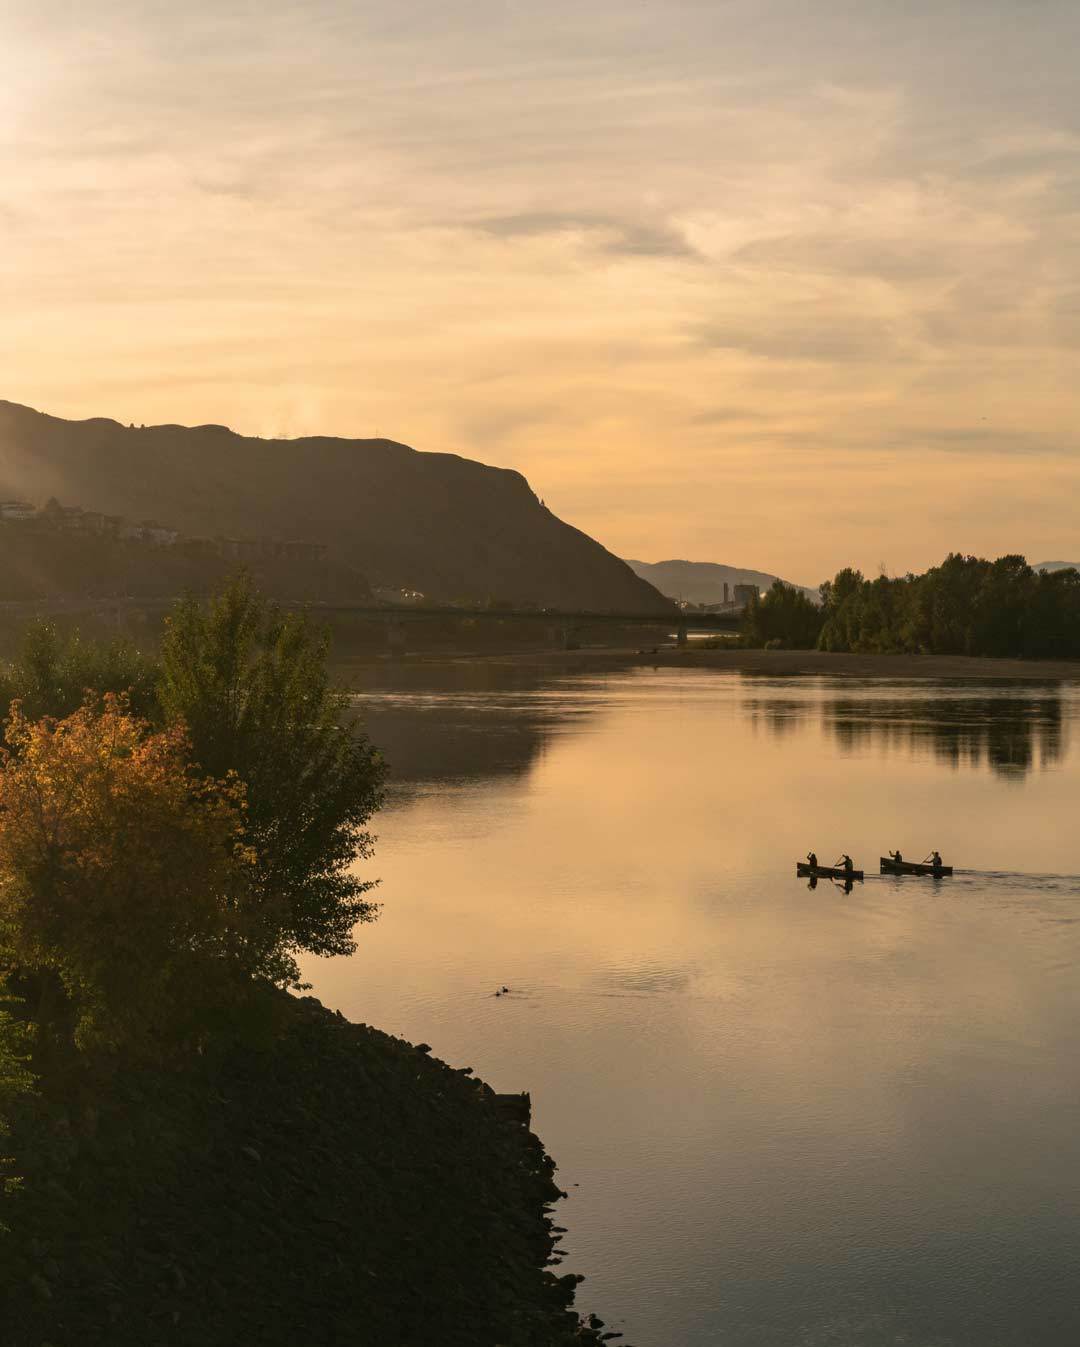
x,y
445,526
703,581
1057,566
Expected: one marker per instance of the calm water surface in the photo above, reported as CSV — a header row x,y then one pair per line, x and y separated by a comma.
x,y
783,1115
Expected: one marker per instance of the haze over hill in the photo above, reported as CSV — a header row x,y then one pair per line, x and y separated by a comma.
x,y
44,564
703,581
1057,566
446,526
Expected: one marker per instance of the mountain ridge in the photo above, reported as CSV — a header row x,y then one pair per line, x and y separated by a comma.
x,y
703,581
437,523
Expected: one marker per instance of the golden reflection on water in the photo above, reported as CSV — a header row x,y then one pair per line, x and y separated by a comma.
x,y
794,1115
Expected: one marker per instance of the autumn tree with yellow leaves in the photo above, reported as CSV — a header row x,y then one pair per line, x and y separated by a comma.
x,y
123,873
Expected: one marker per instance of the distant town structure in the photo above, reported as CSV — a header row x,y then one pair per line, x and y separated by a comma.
x,y
74,519
254,549
393,594
745,594
150,531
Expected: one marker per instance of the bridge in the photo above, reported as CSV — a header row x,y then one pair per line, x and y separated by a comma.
x,y
564,625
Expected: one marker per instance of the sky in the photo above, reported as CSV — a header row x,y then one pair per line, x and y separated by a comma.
x,y
776,284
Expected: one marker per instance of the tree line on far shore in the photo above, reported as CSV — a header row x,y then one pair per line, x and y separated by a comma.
x,y
965,606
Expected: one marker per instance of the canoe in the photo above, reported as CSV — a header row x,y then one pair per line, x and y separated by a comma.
x,y
891,867
826,871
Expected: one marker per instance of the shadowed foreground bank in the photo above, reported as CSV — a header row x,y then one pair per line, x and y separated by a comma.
x,y
334,1186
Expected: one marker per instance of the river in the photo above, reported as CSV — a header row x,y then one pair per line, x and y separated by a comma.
x,y
783,1115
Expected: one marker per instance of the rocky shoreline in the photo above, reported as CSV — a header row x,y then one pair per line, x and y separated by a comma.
x,y
323,1183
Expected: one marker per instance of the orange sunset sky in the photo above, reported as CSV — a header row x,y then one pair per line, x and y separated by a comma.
x,y
774,284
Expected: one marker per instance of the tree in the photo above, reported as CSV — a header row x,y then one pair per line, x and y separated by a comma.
x,y
252,687
785,615
52,673
965,606
122,874
838,601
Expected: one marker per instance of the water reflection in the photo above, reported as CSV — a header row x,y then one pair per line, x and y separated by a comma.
x,y
457,722
782,1118
844,885
429,743
779,716
439,723
1009,732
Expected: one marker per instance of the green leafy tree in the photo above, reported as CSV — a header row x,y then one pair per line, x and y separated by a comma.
x,y
52,673
965,606
785,616
1053,627
251,686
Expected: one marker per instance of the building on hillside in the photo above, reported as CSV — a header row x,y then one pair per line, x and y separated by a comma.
x,y
160,534
57,516
16,510
150,531
745,594
94,521
268,549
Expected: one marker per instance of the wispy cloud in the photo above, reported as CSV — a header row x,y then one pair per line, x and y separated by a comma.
x,y
633,238
687,265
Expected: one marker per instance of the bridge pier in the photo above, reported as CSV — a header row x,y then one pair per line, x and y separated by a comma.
x,y
680,634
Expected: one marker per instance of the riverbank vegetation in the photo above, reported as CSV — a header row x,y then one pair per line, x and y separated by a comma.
x,y
197,1155
967,606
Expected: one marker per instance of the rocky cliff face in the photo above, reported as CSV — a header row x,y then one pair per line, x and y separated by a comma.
x,y
446,526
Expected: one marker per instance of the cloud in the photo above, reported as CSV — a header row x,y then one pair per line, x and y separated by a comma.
x,y
727,416
617,237
684,264
823,338
982,440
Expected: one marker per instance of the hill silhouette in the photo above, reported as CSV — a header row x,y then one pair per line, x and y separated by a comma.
x,y
703,581
445,526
